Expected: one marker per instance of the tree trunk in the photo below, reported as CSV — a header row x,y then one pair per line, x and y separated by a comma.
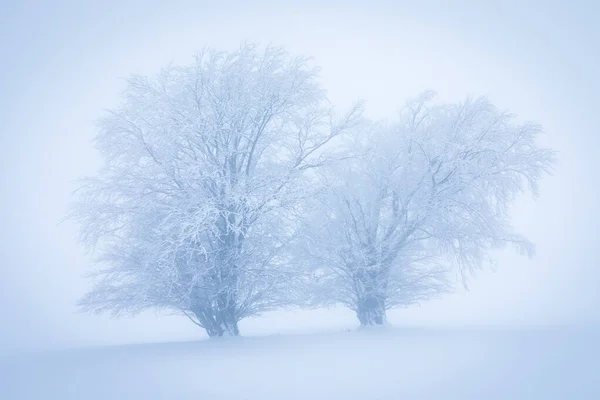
x,y
371,311
219,324
226,320
224,328
217,321
223,304
370,283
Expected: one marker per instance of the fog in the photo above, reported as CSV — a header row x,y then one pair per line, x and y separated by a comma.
x,y
63,63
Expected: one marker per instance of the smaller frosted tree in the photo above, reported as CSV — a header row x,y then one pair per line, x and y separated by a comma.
x,y
204,167
429,191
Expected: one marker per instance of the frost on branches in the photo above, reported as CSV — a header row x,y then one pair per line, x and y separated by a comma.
x,y
204,170
423,193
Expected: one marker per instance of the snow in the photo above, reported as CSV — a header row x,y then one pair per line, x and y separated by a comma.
x,y
387,363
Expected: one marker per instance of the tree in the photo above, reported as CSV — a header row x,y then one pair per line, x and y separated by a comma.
x,y
427,192
204,167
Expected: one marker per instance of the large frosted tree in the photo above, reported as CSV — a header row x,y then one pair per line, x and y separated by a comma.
x,y
204,167
421,194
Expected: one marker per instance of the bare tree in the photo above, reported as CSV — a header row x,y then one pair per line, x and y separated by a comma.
x,y
427,192
204,166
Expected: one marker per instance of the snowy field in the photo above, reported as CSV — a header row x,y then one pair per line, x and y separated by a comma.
x,y
391,363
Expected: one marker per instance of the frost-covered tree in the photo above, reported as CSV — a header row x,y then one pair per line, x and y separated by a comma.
x,y
426,192
204,166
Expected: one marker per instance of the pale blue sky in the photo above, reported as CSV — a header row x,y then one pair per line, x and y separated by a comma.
x,y
62,63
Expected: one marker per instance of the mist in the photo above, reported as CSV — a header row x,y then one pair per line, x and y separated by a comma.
x,y
65,62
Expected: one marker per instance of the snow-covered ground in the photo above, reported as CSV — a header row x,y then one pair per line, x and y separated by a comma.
x,y
391,363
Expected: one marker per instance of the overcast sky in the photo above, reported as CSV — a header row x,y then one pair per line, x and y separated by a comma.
x,y
63,62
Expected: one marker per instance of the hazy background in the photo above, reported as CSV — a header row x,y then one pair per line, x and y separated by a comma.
x,y
62,63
